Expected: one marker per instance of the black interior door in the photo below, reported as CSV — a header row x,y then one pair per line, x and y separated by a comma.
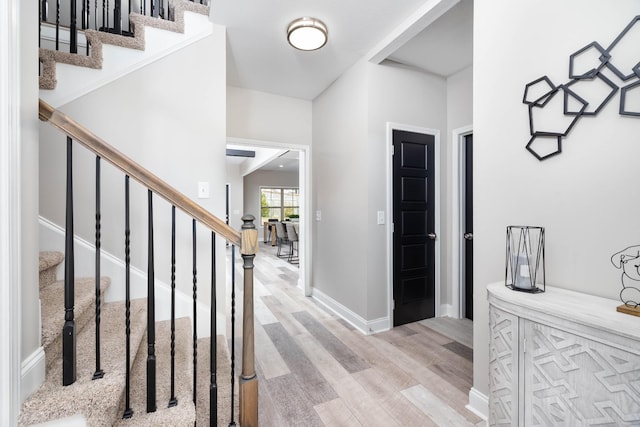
x,y
468,227
414,227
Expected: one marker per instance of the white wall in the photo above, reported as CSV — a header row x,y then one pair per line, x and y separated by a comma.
x,y
173,122
404,96
459,114
259,178
340,190
580,196
236,196
265,117
29,183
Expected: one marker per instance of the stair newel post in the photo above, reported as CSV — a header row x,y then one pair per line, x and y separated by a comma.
x,y
195,314
173,401
69,328
151,315
117,17
73,29
99,373
233,333
248,379
128,411
213,348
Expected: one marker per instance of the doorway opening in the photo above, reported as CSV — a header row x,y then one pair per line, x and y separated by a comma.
x,y
462,230
271,160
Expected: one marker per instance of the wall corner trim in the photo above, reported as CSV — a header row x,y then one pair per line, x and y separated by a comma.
x,y
32,373
478,404
367,327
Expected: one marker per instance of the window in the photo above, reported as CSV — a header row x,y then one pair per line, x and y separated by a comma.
x,y
279,203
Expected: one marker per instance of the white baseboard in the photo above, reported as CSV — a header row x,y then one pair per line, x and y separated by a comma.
x,y
478,404
367,327
446,310
33,372
52,239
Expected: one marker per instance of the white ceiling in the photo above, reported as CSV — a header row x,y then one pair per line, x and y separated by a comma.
x,y
259,58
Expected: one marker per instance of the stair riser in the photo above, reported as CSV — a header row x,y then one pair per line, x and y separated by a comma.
x,y
48,276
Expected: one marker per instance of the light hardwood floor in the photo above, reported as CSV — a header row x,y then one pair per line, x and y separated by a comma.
x,y
315,369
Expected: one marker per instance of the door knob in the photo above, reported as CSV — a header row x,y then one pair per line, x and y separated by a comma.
x,y
432,236
468,236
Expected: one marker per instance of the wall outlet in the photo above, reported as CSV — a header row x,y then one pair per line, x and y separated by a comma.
x,y
318,215
380,217
203,190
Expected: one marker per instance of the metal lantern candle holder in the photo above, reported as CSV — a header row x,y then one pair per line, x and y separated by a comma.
x,y
525,259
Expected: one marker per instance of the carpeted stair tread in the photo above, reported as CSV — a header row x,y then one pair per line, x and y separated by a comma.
x,y
48,263
49,58
97,400
52,311
223,382
183,414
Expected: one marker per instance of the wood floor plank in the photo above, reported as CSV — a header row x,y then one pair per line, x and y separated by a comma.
x,y
364,406
434,408
436,336
460,349
270,359
406,412
294,408
268,408
262,313
316,387
452,328
284,316
343,354
336,414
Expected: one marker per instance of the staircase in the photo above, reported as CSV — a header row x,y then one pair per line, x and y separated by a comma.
x,y
101,402
115,377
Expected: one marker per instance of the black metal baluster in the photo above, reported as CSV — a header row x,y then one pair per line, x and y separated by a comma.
x,y
213,349
129,20
151,316
84,20
128,411
144,7
233,330
195,317
57,24
69,328
73,30
44,10
107,27
173,401
104,15
117,17
95,15
141,4
99,373
86,24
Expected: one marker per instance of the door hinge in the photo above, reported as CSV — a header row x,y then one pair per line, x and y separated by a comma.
x,y
393,150
393,303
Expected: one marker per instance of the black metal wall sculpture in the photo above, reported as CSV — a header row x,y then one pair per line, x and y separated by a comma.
x,y
587,91
629,261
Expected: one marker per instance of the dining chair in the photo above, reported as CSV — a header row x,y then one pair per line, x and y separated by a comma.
x,y
293,243
281,237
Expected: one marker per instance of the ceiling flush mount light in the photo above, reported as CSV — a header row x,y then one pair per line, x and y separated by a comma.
x,y
307,34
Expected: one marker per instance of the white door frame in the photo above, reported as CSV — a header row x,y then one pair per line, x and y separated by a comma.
x,y
10,251
457,205
436,162
304,248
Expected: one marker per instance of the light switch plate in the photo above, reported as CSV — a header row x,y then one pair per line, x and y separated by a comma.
x,y
318,215
380,217
203,190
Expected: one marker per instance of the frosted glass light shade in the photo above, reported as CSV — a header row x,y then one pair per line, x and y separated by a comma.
x,y
307,34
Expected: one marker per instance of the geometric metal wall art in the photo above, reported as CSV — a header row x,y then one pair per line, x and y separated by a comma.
x,y
555,109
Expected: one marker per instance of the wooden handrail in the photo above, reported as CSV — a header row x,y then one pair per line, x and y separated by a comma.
x,y
101,148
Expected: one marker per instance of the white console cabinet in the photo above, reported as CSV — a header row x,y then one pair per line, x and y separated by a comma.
x,y
561,358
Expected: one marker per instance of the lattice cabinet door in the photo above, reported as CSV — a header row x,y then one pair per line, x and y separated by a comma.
x,y
503,367
570,380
